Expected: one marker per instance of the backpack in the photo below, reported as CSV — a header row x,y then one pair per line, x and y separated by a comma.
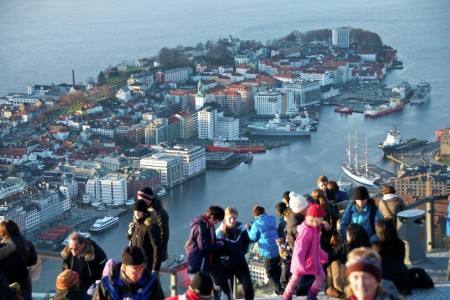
x,y
418,278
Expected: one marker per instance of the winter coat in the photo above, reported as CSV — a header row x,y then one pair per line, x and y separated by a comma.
x,y
307,255
26,249
189,295
200,245
264,231
281,228
392,262
395,204
291,228
353,215
112,287
89,265
147,236
163,223
235,247
340,253
71,295
12,266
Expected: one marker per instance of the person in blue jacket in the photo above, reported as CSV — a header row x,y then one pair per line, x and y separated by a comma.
x,y
264,232
362,211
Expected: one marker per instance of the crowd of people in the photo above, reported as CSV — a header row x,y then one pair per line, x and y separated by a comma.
x,y
320,240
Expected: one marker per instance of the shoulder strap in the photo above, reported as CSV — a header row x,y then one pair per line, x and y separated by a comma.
x,y
372,213
388,209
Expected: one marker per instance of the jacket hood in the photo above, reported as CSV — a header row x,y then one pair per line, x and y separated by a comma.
x,y
88,253
148,219
7,249
390,197
196,221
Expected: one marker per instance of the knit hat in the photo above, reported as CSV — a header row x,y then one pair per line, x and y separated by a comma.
x,y
297,202
365,264
360,193
132,256
315,210
140,205
66,279
202,284
146,193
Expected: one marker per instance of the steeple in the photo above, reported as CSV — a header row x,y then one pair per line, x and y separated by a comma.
x,y
200,88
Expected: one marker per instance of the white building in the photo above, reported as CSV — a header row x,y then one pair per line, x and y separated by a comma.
x,y
171,168
305,92
207,122
227,127
10,186
194,161
268,103
340,37
111,189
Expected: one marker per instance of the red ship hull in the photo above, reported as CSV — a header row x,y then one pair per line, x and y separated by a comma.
x,y
386,111
237,149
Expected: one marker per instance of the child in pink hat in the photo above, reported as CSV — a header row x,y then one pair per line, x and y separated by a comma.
x,y
307,257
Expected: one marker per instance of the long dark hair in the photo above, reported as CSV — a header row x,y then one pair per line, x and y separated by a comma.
x,y
386,232
358,236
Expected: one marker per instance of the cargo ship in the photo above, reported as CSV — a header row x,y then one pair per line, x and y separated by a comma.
x,y
394,143
278,127
223,146
422,93
395,104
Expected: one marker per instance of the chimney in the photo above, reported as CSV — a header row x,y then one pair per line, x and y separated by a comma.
x,y
73,77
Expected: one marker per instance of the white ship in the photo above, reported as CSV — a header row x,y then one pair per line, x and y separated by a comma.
x,y
66,241
355,170
104,223
161,192
278,127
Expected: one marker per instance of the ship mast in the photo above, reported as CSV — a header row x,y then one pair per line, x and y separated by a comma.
x,y
349,153
367,159
356,151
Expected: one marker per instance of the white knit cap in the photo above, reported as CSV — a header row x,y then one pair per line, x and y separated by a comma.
x,y
297,202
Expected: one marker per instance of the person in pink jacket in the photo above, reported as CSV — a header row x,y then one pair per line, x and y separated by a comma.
x,y
307,257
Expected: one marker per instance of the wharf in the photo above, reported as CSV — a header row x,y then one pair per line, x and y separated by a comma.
x,y
384,174
223,160
420,156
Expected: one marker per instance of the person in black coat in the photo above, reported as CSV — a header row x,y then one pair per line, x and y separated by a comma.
x,y
85,257
392,251
10,230
154,203
12,266
230,260
144,233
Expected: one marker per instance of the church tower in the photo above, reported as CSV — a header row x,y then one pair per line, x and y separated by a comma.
x,y
200,98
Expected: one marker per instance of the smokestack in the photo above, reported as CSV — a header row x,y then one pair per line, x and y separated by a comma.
x,y
73,77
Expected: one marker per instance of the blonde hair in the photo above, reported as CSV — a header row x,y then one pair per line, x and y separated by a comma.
x,y
230,210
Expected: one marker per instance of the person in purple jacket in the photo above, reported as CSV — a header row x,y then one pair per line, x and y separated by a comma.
x,y
202,240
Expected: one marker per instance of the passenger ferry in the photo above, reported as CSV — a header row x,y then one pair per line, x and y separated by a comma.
x,y
104,223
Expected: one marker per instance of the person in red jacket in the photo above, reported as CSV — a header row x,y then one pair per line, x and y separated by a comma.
x,y
200,288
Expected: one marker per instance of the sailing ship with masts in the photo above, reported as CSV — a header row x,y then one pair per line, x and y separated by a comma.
x,y
356,170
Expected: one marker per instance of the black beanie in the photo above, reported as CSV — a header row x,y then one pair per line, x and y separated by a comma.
x,y
202,284
360,193
140,205
132,256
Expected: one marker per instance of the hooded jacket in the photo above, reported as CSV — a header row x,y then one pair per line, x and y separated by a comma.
x,y
307,255
200,245
395,204
147,236
264,231
12,266
89,265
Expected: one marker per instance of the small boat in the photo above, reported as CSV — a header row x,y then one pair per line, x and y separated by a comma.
x,y
344,110
129,202
248,158
104,223
179,258
161,192
66,241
